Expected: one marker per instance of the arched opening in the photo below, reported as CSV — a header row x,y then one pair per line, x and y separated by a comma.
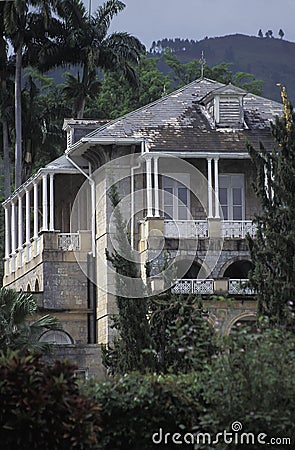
x,y
37,287
247,321
28,287
238,269
187,270
193,271
56,337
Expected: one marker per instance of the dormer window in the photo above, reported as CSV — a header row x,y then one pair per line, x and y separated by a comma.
x,y
225,106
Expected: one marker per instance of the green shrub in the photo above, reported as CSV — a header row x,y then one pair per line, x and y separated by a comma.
x,y
134,407
252,381
41,407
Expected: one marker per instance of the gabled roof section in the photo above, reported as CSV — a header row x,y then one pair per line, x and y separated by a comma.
x,y
228,90
179,121
165,111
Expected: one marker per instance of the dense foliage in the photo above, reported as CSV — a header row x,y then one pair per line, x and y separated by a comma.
x,y
164,333
249,379
41,406
18,330
126,353
273,249
134,407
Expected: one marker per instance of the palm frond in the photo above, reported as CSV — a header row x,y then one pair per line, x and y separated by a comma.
x,y
48,322
103,16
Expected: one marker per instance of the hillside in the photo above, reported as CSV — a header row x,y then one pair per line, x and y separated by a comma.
x,y
269,59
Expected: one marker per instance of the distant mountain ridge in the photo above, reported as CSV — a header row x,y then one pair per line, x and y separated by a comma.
x,y
269,59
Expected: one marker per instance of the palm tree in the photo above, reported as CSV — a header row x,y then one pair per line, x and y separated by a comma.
x,y
16,332
84,41
5,72
22,26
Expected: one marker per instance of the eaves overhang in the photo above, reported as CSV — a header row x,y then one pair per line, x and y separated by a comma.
x,y
30,181
86,142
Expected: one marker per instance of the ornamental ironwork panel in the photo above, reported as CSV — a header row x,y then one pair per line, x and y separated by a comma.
x,y
185,228
238,228
239,287
203,286
69,241
195,286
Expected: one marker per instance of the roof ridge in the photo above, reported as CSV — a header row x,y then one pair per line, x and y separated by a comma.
x,y
149,105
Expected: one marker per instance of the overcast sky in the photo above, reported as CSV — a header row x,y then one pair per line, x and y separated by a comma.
x,y
151,20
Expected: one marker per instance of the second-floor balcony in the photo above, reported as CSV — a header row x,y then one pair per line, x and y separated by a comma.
x,y
210,286
201,228
47,242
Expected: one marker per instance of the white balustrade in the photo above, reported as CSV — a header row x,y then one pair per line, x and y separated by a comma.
x,y
69,241
20,257
193,286
37,246
199,228
13,262
203,286
239,287
238,228
29,252
185,228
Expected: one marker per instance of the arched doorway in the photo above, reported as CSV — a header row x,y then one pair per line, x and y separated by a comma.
x,y
246,320
238,269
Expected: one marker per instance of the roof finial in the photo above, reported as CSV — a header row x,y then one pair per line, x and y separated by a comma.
x,y
202,62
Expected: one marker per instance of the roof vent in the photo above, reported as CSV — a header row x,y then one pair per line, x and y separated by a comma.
x,y
225,105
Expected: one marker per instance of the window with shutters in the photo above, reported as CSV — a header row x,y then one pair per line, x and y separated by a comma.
x,y
176,201
231,196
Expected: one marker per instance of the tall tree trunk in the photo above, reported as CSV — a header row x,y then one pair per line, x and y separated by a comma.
x,y
18,118
81,107
7,179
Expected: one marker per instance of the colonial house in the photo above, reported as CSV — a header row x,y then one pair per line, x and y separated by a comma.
x,y
184,178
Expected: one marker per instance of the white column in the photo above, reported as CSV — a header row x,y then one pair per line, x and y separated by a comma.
x,y
28,211
44,203
51,202
149,186
210,189
156,184
20,222
13,228
35,210
7,232
216,186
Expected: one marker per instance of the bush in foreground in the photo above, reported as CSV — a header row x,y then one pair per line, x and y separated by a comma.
x,y
41,407
136,406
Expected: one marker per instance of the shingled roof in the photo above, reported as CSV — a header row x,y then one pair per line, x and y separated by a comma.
x,y
180,122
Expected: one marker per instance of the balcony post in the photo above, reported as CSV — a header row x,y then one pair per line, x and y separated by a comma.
x,y
35,209
51,202
7,234
216,186
210,203
156,184
149,185
20,222
28,230
13,228
44,203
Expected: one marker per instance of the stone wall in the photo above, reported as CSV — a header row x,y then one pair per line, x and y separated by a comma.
x,y
85,357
